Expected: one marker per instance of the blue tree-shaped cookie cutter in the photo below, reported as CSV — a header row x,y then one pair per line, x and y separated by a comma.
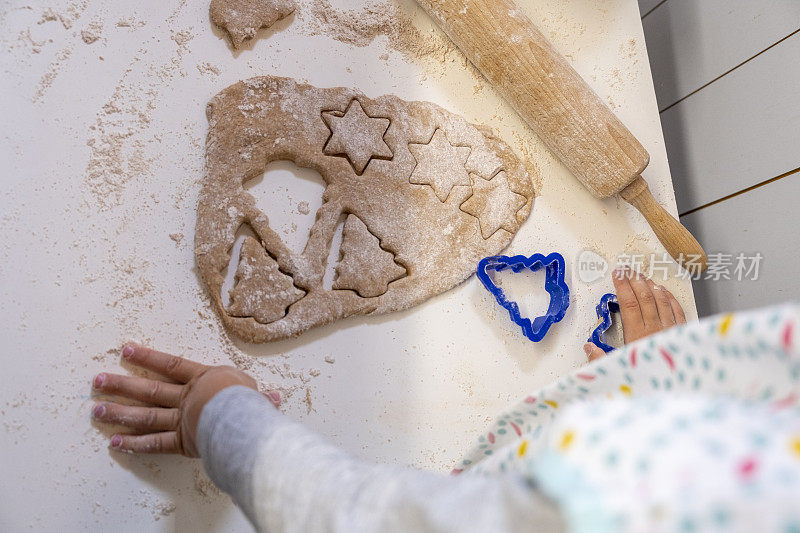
x,y
556,287
608,304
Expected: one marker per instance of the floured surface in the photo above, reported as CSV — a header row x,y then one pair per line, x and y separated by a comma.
x,y
412,237
104,160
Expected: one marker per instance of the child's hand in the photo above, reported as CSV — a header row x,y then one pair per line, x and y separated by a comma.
x,y
168,422
645,308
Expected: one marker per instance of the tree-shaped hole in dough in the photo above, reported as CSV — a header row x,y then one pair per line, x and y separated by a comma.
x,y
290,196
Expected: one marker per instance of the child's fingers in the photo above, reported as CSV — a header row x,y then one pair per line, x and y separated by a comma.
x,y
662,304
164,442
593,351
144,390
677,310
628,304
171,366
274,397
142,418
647,302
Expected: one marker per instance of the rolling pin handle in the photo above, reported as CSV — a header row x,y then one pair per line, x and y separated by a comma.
x,y
680,244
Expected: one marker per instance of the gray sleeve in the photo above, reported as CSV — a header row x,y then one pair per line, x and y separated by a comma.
x,y
232,425
287,478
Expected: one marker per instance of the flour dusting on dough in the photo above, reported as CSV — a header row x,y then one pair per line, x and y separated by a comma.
x,y
404,243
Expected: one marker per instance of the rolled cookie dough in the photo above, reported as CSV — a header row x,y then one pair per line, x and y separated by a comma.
x,y
241,19
423,196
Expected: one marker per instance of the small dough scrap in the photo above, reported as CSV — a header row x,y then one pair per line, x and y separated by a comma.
x,y
241,19
494,204
261,290
365,267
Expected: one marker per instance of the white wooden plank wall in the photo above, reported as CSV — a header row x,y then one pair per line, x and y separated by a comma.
x,y
691,42
645,6
727,79
737,131
756,222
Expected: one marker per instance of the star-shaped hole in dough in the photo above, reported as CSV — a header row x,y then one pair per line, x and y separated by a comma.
x,y
440,164
357,136
494,204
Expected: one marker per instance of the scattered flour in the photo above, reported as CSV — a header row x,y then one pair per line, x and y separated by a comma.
x,y
182,38
208,68
67,17
26,38
204,486
92,32
52,72
158,508
360,27
130,22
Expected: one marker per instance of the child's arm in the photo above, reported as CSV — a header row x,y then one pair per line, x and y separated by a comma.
x,y
287,478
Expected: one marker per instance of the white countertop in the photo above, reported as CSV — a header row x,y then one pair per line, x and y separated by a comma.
x,y
103,149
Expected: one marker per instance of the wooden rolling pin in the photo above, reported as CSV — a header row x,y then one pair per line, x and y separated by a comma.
x,y
502,42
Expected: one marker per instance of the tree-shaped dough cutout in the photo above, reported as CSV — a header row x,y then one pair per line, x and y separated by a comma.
x,y
261,290
365,267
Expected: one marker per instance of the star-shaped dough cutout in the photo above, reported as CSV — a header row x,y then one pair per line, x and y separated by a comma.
x,y
494,204
440,164
357,136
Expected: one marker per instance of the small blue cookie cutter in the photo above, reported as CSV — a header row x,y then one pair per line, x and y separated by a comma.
x,y
556,287
608,304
